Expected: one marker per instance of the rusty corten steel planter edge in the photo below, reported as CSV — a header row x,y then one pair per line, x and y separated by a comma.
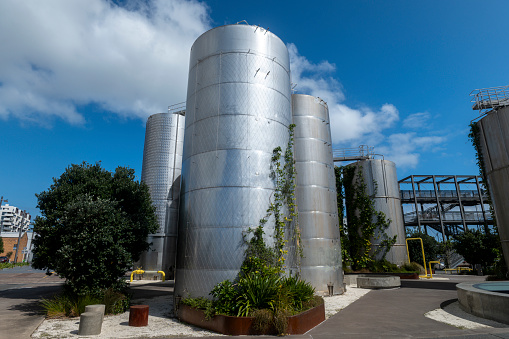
x,y
297,324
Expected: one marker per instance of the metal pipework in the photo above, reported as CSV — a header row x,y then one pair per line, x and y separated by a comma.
x,y
237,112
316,195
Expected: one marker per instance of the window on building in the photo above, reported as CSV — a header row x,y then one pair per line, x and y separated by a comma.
x,y
15,246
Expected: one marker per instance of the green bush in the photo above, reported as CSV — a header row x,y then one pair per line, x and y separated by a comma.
x,y
256,292
225,296
431,247
93,226
413,267
298,292
12,265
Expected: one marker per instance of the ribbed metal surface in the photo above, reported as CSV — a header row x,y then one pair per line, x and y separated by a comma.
x,y
382,185
238,111
316,194
494,137
162,166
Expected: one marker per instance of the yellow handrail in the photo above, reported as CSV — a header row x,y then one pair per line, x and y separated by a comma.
x,y
423,258
140,271
430,270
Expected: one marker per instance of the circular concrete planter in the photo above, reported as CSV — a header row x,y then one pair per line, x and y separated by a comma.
x,y
489,300
378,281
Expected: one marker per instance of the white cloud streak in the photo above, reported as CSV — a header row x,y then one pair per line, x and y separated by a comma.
x,y
131,60
351,127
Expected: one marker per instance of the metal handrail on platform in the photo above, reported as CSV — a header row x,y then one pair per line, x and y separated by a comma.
x,y
485,99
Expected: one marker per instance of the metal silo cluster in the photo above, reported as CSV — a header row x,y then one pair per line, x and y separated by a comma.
x,y
162,163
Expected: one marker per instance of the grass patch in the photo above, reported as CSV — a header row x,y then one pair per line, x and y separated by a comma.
x,y
69,305
12,265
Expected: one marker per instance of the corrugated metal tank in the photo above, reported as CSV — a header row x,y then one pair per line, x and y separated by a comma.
x,y
494,142
316,194
382,185
162,165
238,110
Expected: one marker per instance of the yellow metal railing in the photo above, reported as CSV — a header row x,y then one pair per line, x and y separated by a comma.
x,y
423,257
430,270
140,271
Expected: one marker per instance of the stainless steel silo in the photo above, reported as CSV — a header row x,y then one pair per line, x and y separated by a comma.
x,y
162,166
316,195
494,144
238,111
382,186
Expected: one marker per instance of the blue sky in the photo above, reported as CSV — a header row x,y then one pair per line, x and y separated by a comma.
x,y
79,78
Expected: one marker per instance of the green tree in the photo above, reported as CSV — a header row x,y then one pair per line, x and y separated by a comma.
x,y
93,226
477,247
430,244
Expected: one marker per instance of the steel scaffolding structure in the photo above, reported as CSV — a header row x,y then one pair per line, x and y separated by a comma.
x,y
447,204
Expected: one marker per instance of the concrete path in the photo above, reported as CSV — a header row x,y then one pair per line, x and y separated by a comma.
x,y
21,289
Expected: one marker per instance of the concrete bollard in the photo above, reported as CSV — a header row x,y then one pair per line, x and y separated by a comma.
x,y
90,323
138,315
100,308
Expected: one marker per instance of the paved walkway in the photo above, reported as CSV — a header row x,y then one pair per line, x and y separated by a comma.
x,y
21,289
394,313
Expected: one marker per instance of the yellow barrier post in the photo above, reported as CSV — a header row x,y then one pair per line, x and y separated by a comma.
x,y
430,270
423,258
162,274
138,271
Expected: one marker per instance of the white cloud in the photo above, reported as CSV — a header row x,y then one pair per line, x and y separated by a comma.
x,y
131,60
347,124
417,120
405,148
351,127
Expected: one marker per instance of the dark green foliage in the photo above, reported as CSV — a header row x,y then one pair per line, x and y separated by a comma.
x,y
431,247
364,222
256,292
225,298
299,292
92,227
477,247
203,304
258,256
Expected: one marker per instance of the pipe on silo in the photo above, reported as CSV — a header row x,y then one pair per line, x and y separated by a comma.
x,y
238,110
316,195
382,186
494,146
162,165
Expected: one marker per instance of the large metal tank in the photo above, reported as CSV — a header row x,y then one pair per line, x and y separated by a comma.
x,y
382,186
238,110
162,165
316,195
494,144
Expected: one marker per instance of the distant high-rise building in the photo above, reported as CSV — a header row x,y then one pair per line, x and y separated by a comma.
x,y
12,219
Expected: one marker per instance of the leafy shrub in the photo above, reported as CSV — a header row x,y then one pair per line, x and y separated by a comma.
x,y
413,267
225,296
256,292
298,292
430,244
201,303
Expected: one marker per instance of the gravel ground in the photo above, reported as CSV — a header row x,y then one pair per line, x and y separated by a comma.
x,y
452,314
159,322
